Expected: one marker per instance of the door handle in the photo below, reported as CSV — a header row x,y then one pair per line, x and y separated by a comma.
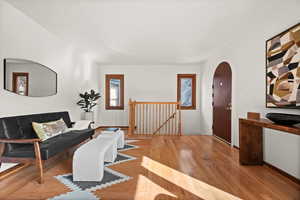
x,y
228,107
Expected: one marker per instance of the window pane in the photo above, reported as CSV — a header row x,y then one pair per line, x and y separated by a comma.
x,y
114,90
114,99
21,85
186,91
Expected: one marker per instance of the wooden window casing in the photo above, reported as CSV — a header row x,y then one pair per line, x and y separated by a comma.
x,y
15,81
108,106
188,76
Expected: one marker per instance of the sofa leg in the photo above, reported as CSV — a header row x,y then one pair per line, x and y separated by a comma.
x,y
2,146
39,163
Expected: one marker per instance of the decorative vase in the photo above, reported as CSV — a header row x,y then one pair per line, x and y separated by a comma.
x,y
284,119
89,116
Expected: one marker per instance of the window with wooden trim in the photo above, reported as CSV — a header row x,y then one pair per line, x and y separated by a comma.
x,y
186,91
114,91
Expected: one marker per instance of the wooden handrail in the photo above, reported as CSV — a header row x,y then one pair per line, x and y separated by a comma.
x,y
154,117
171,117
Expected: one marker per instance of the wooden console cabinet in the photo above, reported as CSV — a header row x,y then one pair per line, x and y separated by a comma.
x,y
251,138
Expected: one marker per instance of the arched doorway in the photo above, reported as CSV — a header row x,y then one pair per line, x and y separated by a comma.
x,y
222,88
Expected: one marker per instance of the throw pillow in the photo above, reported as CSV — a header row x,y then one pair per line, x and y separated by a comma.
x,y
49,129
81,125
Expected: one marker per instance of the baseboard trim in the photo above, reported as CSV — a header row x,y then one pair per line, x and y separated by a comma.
x,y
122,127
292,178
221,139
280,171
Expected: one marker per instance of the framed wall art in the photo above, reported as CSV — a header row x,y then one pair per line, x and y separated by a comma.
x,y
283,69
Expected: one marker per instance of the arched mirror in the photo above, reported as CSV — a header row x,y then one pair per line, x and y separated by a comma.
x,y
28,78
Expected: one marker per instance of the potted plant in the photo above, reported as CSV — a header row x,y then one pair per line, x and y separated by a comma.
x,y
87,103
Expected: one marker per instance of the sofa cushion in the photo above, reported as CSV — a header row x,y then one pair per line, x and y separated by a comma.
x,y
51,146
10,129
64,141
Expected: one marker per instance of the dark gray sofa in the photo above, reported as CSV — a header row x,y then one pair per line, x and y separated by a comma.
x,y
19,142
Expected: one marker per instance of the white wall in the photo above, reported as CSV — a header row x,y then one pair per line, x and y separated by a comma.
x,y
23,38
247,58
151,83
20,37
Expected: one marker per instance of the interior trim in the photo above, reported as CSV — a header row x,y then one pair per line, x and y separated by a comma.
x,y
280,171
222,139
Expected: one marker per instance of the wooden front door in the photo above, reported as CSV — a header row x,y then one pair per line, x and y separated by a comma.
x,y
222,102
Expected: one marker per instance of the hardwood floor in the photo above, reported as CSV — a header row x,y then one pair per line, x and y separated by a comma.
x,y
168,168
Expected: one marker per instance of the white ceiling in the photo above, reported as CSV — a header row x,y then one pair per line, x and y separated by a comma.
x,y
141,31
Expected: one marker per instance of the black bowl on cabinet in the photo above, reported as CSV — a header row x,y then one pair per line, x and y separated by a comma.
x,y
283,119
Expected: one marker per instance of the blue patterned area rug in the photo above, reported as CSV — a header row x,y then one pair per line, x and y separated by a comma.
x,y
110,177
82,190
76,195
128,147
120,159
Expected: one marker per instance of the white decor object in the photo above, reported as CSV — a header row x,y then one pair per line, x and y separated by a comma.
x,y
112,155
81,125
89,116
119,134
88,160
112,152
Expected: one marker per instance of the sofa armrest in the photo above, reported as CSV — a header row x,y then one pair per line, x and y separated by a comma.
x,y
72,124
20,141
90,125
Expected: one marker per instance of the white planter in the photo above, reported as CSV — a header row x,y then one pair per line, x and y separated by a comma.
x,y
89,116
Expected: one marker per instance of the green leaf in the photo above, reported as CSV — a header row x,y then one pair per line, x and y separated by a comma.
x,y
88,100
